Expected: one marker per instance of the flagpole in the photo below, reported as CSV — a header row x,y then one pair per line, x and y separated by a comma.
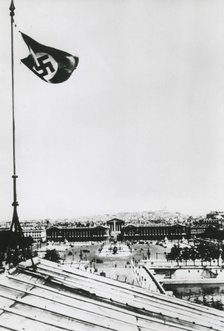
x,y
15,241
15,219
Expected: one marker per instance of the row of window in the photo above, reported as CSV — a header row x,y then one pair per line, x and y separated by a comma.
x,y
152,231
68,234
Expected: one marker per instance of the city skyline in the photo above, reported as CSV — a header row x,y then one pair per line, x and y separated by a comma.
x,y
138,126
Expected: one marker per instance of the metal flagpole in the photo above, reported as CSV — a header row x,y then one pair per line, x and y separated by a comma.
x,y
15,219
17,241
15,230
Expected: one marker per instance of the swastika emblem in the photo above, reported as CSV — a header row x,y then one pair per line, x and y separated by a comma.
x,y
45,65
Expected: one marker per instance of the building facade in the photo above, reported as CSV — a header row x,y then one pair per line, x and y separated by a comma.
x,y
95,233
140,232
38,234
115,228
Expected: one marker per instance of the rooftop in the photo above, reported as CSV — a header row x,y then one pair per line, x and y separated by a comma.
x,y
55,297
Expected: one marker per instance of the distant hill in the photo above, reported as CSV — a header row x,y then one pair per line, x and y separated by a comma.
x,y
133,217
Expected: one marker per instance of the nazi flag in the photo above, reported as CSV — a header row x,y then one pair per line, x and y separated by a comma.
x,y
50,64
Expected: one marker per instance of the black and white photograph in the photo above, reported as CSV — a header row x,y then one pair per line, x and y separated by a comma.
x,y
112,165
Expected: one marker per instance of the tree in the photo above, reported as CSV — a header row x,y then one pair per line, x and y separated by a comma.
x,y
193,254
186,254
52,255
174,254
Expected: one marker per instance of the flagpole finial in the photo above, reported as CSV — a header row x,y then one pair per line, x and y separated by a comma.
x,y
12,8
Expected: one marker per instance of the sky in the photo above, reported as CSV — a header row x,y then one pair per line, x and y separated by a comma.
x,y
139,124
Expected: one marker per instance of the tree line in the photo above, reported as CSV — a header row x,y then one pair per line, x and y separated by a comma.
x,y
203,250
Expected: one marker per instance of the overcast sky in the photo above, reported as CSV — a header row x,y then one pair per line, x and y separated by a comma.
x,y
140,123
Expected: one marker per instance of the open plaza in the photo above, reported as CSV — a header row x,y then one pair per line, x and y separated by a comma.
x,y
110,259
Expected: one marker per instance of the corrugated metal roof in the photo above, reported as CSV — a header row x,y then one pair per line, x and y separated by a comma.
x,y
61,298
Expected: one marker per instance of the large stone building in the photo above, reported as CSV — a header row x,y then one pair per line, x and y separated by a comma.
x,y
60,233
38,234
156,232
117,230
115,227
